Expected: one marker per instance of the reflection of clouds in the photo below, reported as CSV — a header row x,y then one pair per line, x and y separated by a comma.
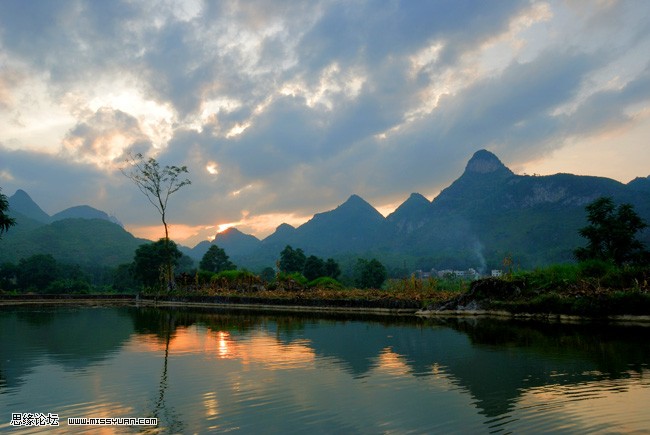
x,y
256,348
616,405
392,363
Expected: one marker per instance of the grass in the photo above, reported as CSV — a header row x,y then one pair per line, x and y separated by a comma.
x,y
593,288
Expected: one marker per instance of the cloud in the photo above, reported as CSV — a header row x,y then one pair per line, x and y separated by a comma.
x,y
104,138
285,108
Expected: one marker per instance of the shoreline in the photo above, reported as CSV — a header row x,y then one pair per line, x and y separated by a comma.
x,y
287,306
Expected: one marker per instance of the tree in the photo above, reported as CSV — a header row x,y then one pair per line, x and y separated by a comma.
x,y
5,221
35,273
370,274
332,268
151,260
314,268
216,260
157,184
291,260
611,233
267,274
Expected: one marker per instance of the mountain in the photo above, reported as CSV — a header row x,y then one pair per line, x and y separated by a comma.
x,y
354,226
79,235
236,243
411,215
87,242
84,212
487,214
640,183
21,202
22,205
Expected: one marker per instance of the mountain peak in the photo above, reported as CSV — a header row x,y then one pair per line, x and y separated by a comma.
x,y
285,228
22,203
417,198
484,162
411,214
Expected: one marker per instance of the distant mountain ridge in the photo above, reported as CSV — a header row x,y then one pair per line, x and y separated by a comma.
x,y
487,214
77,235
21,203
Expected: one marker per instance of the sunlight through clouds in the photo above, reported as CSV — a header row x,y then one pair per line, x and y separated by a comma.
x,y
282,110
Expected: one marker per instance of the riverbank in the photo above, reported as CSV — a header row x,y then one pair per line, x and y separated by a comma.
x,y
477,302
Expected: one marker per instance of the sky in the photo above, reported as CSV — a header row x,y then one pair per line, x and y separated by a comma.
x,y
282,109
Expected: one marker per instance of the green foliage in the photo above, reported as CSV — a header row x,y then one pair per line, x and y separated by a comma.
x,y
557,276
239,280
5,221
43,274
151,259
314,267
292,260
234,275
332,268
325,282
215,260
267,274
595,268
68,286
611,233
7,276
370,274
123,279
205,276
293,277
36,272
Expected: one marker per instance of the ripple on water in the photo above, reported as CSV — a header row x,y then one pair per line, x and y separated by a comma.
x,y
605,405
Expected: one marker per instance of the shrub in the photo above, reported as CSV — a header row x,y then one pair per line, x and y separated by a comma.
x,y
595,268
325,282
68,286
204,276
554,277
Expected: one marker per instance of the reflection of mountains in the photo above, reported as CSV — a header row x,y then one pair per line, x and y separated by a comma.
x,y
495,361
71,337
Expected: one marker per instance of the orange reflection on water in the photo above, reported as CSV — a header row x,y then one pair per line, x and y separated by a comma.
x,y
392,363
256,347
624,401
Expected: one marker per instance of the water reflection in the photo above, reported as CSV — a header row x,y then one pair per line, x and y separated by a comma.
x,y
201,370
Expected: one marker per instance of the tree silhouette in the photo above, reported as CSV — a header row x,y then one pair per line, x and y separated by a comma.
x,y
216,260
611,233
157,184
5,221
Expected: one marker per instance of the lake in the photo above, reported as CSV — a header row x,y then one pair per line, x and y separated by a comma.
x,y
201,370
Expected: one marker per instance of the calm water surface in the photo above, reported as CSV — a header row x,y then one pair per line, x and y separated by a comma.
x,y
215,371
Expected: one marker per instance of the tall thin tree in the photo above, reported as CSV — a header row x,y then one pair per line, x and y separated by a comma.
x,y
157,184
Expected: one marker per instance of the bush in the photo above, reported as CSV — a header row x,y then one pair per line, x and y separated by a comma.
x,y
240,280
67,286
325,282
595,268
554,277
205,276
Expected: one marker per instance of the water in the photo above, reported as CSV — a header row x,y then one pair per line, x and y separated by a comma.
x,y
201,371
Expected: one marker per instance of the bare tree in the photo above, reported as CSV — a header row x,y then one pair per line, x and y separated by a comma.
x,y
157,184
